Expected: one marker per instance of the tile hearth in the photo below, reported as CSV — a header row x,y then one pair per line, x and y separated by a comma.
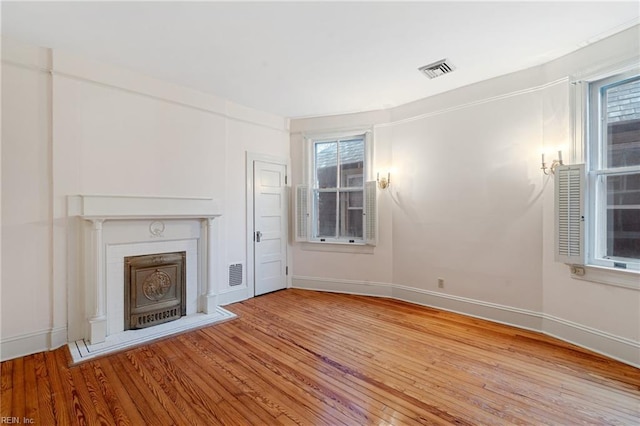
x,y
81,350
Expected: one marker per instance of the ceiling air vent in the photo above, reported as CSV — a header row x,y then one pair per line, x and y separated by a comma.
x,y
436,69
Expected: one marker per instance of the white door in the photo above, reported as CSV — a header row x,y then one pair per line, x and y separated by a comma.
x,y
270,227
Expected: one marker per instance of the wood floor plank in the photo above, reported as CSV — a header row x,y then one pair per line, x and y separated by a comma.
x,y
31,404
239,381
266,377
105,416
298,357
146,403
156,390
193,393
552,375
122,408
164,388
383,369
61,405
18,402
252,412
80,402
43,382
6,387
337,388
313,360
353,367
294,372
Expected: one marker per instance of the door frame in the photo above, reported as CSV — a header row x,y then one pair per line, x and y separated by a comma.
x,y
251,158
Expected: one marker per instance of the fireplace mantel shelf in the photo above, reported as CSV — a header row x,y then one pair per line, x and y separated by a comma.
x,y
147,216
114,207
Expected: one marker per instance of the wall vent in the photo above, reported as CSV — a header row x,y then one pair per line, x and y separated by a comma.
x,y
235,274
437,69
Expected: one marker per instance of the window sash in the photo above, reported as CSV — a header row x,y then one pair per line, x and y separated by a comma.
x,y
337,190
600,171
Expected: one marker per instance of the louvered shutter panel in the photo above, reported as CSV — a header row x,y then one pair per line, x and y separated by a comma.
x,y
302,213
371,213
569,214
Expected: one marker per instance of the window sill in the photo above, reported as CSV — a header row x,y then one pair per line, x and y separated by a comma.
x,y
337,247
610,276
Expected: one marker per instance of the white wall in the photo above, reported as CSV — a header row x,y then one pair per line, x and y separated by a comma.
x,y
469,208
469,204
600,316
26,199
81,127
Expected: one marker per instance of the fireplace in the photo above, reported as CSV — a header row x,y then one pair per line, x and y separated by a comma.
x,y
115,228
174,290
155,289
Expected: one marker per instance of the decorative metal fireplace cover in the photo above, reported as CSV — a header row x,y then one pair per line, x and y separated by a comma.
x,y
155,289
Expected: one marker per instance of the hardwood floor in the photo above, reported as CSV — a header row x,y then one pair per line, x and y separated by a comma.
x,y
303,357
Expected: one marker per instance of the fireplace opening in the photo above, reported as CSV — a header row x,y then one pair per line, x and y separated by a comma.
x,y
155,289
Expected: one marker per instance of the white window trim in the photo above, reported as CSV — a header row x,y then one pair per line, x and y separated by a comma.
x,y
308,170
624,278
605,272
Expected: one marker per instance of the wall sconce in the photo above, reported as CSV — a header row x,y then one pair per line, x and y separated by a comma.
x,y
383,182
554,164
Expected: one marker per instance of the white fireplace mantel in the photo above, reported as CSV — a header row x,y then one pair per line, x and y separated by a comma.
x,y
100,208
133,207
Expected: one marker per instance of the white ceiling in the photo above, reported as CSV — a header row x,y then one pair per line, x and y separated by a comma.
x,y
300,59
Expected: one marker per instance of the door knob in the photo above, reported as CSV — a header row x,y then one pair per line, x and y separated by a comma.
x,y
258,236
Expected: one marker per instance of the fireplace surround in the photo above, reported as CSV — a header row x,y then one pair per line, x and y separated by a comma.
x,y
116,227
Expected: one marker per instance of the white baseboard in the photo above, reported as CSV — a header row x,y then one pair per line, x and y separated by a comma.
x,y
342,286
612,346
233,296
491,311
30,343
615,347
521,318
59,337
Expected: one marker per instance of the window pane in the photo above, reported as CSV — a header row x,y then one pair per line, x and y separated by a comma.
x,y
355,199
623,124
326,160
350,214
351,163
325,206
623,216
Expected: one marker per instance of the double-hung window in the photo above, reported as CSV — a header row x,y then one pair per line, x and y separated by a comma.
x,y
613,172
338,204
